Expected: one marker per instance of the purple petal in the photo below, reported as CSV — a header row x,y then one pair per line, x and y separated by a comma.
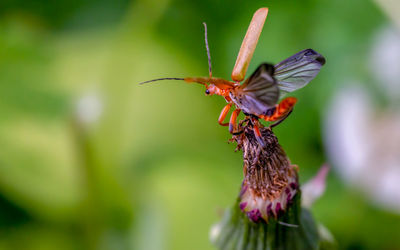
x,y
294,185
278,208
254,215
269,209
243,190
288,198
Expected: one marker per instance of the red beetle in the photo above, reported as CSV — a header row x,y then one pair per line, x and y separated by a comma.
x,y
259,94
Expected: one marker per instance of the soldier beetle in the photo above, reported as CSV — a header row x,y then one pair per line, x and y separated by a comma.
x,y
259,94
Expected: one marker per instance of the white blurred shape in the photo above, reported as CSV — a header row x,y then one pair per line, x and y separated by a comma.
x,y
387,184
385,60
391,8
89,109
346,128
215,232
364,145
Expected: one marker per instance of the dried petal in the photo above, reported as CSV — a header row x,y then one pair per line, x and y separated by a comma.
x,y
315,187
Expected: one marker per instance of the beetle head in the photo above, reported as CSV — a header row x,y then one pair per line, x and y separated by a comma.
x,y
212,89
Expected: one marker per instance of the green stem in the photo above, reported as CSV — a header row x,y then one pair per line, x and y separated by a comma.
x,y
294,229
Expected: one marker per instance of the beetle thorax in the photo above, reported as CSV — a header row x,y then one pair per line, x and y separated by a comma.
x,y
214,90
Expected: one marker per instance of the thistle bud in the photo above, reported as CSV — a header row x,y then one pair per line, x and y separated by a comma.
x,y
270,181
268,212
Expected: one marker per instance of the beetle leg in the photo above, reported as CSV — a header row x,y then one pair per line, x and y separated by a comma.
x,y
241,130
281,110
223,114
232,121
281,120
257,133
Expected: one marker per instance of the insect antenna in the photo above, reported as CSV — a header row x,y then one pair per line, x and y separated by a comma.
x,y
208,50
161,79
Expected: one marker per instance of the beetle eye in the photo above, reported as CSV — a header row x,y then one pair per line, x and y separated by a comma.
x,y
207,92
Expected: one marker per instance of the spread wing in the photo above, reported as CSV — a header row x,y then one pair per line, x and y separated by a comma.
x,y
298,70
260,91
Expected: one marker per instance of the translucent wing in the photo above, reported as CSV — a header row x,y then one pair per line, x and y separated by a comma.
x,y
298,70
259,92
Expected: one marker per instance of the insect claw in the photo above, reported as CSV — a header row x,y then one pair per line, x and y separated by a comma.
x,y
260,141
238,132
231,128
257,133
232,121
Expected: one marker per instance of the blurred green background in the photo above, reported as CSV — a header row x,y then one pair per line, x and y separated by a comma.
x,y
91,160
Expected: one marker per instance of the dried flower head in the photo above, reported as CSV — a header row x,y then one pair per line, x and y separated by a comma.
x,y
268,212
270,181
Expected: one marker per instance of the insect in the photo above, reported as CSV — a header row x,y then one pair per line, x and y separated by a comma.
x,y
257,97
